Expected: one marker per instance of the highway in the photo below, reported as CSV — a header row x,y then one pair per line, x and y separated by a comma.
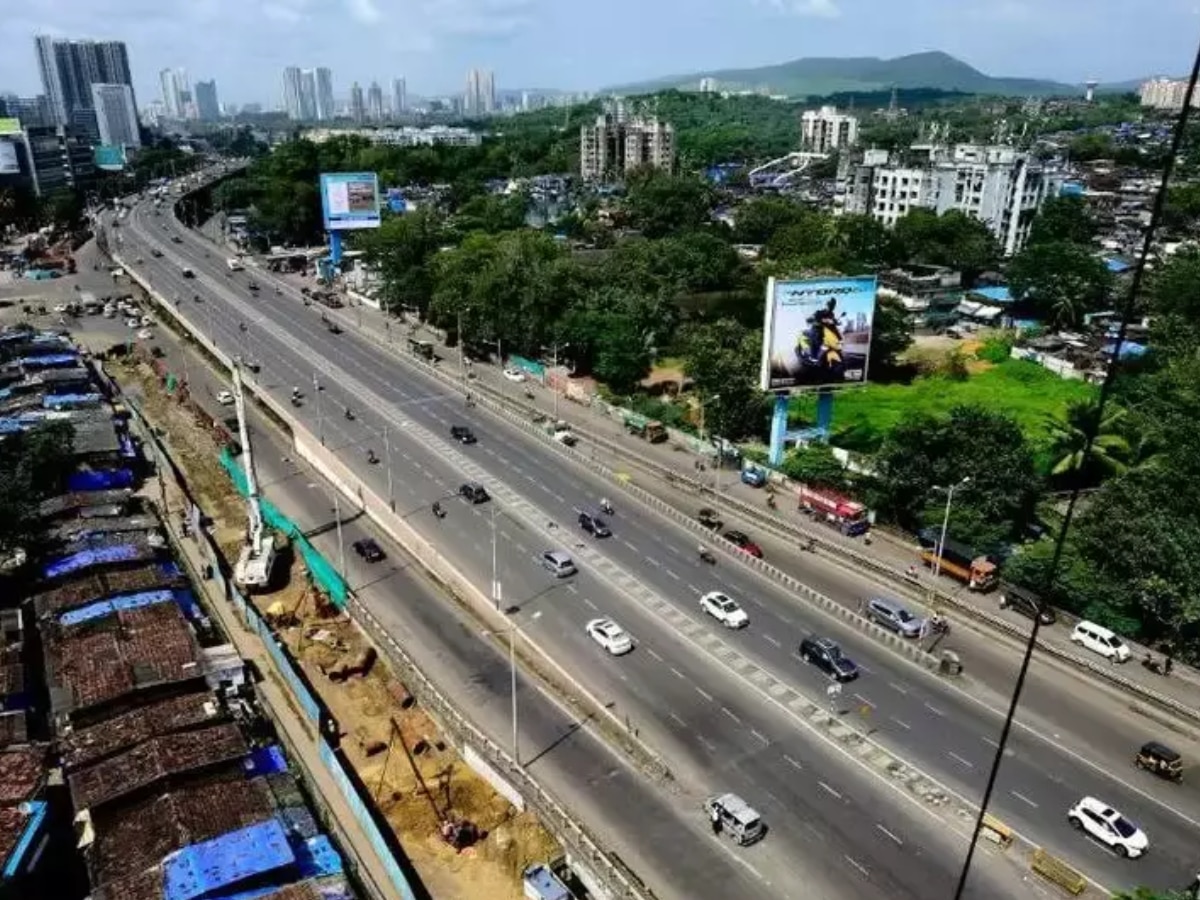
x,y
947,733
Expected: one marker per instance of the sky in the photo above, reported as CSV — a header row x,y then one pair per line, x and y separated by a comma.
x,y
573,45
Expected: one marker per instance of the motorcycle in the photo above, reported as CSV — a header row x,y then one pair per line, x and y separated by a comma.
x,y
771,501
606,507
349,414
371,457
295,401
819,346
438,512
939,626
708,556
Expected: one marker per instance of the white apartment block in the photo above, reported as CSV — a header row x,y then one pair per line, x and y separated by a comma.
x,y
612,147
825,129
1165,93
998,185
403,137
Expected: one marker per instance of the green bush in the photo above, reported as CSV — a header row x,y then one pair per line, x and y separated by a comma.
x,y
996,349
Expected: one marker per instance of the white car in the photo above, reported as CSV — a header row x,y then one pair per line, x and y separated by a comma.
x,y
225,398
133,323
1109,827
146,321
609,635
724,609
514,374
145,334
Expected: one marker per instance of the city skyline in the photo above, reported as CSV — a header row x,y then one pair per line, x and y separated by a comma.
x,y
536,45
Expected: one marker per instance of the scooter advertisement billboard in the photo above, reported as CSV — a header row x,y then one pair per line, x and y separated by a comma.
x,y
817,332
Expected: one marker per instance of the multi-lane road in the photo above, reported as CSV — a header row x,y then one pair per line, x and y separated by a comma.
x,y
713,726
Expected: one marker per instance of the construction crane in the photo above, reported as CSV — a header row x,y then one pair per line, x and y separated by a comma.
x,y
255,562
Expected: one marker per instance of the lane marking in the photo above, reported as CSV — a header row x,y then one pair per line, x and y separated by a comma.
x,y
590,604
650,650
897,688
677,672
703,693
901,723
1024,799
767,637
728,712
899,842
682,724
965,762
858,866
672,574
864,700
791,762
933,709
758,735
829,790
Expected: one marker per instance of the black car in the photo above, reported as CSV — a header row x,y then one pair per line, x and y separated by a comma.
x,y
253,285
594,525
156,253
369,550
827,656
462,434
176,239
473,492
335,328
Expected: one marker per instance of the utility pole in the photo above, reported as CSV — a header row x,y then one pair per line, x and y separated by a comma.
x,y
337,515
497,590
317,400
387,449
555,349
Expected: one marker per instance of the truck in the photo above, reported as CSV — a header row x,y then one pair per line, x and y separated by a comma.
x,y
647,429
977,571
849,517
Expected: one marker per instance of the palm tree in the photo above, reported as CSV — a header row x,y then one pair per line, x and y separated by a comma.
x,y
1110,451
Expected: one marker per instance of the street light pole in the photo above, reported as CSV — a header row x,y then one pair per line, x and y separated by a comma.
x,y
937,563
337,516
497,590
462,358
555,349
387,449
512,672
317,400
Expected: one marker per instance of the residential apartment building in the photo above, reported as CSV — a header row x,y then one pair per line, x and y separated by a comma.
x,y
68,70
325,109
208,109
375,102
176,93
999,185
825,129
292,89
60,158
480,96
1165,93
610,147
399,96
358,106
116,116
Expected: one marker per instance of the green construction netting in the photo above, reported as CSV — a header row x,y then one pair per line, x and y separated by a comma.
x,y
324,573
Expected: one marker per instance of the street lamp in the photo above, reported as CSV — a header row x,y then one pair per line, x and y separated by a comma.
x,y
704,440
556,349
387,450
937,563
317,400
511,631
337,516
497,590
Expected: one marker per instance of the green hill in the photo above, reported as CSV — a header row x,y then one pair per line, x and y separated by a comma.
x,y
820,76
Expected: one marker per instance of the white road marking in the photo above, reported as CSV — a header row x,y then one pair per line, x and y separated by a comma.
x,y
591,604
677,672
728,712
703,693
712,748
791,762
897,688
629,545
572,589
858,866
759,736
965,762
767,637
864,700
693,589
682,724
892,836
653,562
991,743
1024,799
650,650
934,710
829,790
902,724
672,574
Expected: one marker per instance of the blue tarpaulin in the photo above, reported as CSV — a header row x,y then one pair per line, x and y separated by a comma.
x,y
49,360
95,557
102,608
316,857
31,832
58,401
200,870
100,480
265,761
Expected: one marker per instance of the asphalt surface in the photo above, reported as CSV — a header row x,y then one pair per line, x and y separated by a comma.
x,y
944,731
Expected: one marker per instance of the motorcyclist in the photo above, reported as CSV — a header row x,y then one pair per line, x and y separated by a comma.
x,y
371,457
349,414
437,509
605,506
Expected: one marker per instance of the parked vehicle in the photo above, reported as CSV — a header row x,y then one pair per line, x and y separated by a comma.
x,y
735,817
1161,760
1027,603
838,510
894,617
977,571
1100,640
647,429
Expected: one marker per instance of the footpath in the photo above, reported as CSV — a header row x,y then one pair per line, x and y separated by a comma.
x,y
689,459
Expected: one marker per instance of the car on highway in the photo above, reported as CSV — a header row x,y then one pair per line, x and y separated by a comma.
x,y
514,375
133,323
334,328
827,656
369,550
609,635
895,617
559,563
225,398
156,253
253,285
176,239
1103,823
462,434
754,476
145,334
473,492
724,609
1100,640
742,541
594,525
188,273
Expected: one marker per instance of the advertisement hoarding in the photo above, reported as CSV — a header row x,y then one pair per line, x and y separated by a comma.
x,y
109,157
10,126
817,332
350,200
396,202
10,163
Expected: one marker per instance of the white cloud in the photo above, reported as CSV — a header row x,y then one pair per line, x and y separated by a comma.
x,y
814,9
364,11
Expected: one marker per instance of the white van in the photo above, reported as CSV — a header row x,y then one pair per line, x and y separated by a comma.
x,y
235,264
1100,640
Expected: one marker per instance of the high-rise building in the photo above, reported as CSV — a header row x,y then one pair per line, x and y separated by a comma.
x,y
708,85
375,102
291,93
176,93
825,129
326,111
358,109
69,69
612,147
116,116
208,109
308,95
1166,93
399,96
480,96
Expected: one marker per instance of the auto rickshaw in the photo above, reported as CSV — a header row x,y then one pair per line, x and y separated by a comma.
x,y
709,519
1161,760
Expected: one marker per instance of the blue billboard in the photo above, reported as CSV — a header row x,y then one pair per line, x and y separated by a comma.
x,y
396,202
817,332
349,200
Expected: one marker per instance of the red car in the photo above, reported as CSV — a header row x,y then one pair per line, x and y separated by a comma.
x,y
742,541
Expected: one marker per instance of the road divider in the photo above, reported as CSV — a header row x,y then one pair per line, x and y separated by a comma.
x,y
996,831
1058,872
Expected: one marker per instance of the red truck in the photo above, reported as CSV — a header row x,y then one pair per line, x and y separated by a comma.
x,y
976,571
848,517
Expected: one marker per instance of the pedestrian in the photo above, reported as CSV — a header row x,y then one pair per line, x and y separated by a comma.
x,y
716,820
1168,664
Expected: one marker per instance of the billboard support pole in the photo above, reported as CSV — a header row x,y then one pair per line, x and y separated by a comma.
x,y
824,411
779,426
335,248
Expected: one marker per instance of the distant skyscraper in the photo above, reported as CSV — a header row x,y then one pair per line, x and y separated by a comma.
x,y
116,116
308,95
176,93
375,102
358,109
325,108
291,93
207,107
480,96
399,96
69,69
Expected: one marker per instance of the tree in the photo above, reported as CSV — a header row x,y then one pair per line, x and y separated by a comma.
x,y
1062,219
1174,302
1061,281
864,243
891,335
1110,451
1087,147
32,467
722,359
607,337
953,239
64,209
660,204
807,235
815,464
400,250
925,451
1144,893
757,221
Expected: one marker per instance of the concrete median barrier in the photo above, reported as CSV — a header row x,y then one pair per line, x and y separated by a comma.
x,y
1058,872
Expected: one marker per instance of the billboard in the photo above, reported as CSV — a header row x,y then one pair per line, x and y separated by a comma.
x,y
817,332
10,126
109,157
396,202
10,163
350,200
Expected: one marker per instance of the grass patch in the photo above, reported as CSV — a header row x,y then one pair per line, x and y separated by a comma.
x,y
1023,390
